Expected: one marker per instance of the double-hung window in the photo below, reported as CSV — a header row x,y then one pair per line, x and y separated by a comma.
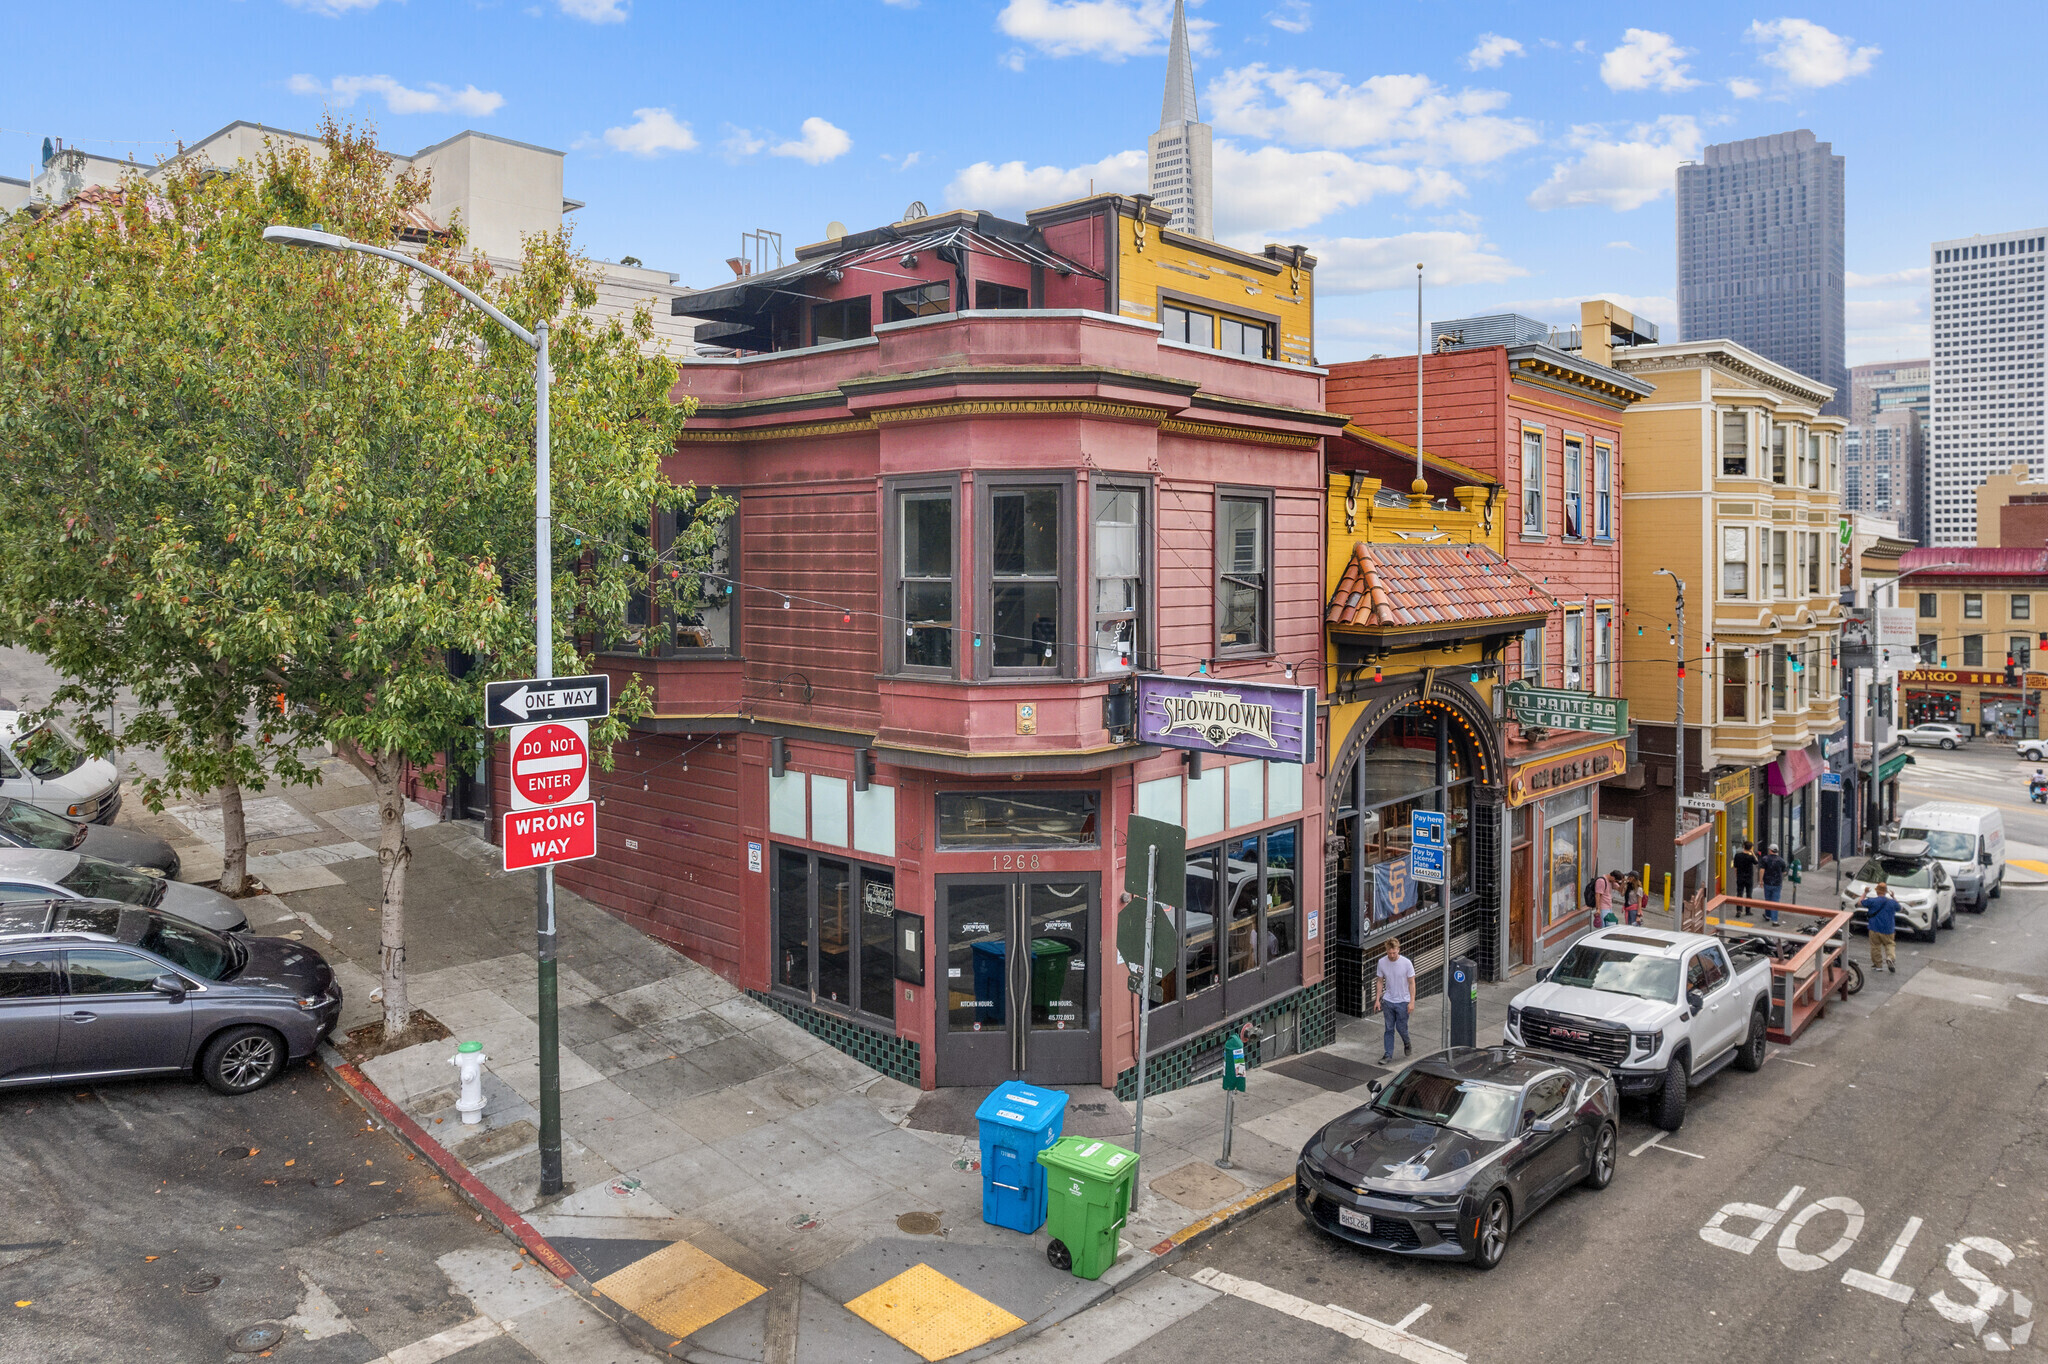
x,y
1603,491
1813,458
701,621
1574,644
1814,556
1973,651
1117,561
1930,606
2022,606
1532,480
1603,651
1778,566
1780,672
1735,562
1532,655
1244,575
1574,488
1024,549
1973,606
1735,684
1778,434
927,596
1735,444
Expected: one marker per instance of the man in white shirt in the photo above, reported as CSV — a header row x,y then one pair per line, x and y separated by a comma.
x,y
1394,991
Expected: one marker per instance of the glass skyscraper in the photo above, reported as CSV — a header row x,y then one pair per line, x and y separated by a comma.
x,y
1760,253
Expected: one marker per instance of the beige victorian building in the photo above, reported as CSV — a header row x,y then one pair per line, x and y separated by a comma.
x,y
1733,484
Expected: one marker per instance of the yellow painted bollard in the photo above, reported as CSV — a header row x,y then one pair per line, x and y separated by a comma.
x,y
1667,892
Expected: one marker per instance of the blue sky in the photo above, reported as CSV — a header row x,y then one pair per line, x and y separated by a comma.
x,y
1525,153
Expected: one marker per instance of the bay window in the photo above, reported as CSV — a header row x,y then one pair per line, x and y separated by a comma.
x,y
1117,562
1244,575
1735,444
1022,556
1735,684
926,564
1735,562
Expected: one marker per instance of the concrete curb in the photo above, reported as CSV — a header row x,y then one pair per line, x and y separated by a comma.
x,y
500,1214
493,1208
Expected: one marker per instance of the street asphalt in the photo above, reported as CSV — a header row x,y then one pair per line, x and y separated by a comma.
x,y
1911,1116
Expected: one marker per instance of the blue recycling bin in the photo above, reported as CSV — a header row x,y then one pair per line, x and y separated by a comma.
x,y
1017,1122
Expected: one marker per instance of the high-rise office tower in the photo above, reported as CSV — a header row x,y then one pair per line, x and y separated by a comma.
x,y
1178,154
1988,354
1760,254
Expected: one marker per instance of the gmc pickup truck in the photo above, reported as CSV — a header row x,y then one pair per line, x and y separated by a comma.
x,y
1661,1010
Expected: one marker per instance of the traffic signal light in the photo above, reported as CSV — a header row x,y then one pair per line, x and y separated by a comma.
x,y
2012,672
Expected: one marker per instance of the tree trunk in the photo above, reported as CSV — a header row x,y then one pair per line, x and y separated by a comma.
x,y
392,858
234,832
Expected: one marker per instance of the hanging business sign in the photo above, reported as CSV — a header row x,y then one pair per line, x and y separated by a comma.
x,y
1243,719
1897,628
1557,708
1560,772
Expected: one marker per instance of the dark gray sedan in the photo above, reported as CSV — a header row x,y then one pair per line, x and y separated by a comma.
x,y
1458,1150
93,989
30,826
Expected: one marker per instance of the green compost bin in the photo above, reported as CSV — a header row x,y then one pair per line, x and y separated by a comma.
x,y
1088,1197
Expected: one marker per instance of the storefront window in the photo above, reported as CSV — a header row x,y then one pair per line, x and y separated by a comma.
x,y
833,931
1017,819
1566,846
1242,911
1415,761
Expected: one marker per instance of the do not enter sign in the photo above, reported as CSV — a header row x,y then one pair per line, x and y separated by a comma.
x,y
550,764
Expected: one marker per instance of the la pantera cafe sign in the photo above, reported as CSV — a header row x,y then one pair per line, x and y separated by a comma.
x,y
1556,708
1244,719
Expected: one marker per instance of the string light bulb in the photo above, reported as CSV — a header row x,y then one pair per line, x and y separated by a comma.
x,y
785,603
1290,672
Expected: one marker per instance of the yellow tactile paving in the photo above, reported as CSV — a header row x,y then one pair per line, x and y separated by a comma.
x,y
931,1314
679,1289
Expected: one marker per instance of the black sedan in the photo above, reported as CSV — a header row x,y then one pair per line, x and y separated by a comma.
x,y
1458,1150
93,989
30,826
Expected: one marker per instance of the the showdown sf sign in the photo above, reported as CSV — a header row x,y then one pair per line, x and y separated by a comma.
x,y
1247,719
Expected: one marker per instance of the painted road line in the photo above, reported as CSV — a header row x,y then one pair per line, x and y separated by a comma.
x,y
1777,1056
475,1331
1881,1283
1128,1319
1342,1320
2033,999
1658,1142
1413,1317
1270,1194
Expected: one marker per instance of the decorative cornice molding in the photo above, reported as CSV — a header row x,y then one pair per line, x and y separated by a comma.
x,y
1240,435
851,426
1019,407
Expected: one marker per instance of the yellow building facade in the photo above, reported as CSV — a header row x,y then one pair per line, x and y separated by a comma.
x,y
1732,485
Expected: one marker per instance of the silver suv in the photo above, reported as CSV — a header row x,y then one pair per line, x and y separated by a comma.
x,y
94,989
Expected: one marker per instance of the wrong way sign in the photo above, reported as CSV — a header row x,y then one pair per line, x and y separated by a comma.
x,y
560,833
550,764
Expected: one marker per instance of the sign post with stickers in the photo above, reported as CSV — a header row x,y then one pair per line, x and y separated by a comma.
x,y
552,819
1155,869
1426,866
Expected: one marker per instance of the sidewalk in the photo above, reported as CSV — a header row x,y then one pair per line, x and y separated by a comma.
x,y
744,1190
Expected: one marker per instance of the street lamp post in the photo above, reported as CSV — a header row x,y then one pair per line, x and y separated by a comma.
x,y
314,239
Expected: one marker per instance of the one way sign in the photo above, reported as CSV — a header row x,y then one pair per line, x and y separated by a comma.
x,y
547,698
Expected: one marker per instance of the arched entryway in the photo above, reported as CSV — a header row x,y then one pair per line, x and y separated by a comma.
x,y
1403,751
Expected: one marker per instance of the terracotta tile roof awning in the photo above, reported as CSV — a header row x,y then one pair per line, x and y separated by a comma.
x,y
1390,586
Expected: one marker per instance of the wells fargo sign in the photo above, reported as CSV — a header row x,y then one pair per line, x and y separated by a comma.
x,y
1547,776
1963,677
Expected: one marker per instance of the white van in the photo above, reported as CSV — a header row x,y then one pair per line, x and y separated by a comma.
x,y
46,767
1969,841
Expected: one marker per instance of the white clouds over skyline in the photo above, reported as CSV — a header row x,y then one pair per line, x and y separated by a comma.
x,y
1111,30
434,98
1490,51
1620,171
820,142
1647,60
1408,117
1808,56
1363,265
595,11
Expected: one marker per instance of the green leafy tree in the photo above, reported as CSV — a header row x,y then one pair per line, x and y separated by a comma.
x,y
338,483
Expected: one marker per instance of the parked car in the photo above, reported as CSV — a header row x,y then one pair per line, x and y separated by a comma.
x,y
43,873
1939,736
44,766
1921,885
1458,1150
1968,841
1662,1010
23,825
93,989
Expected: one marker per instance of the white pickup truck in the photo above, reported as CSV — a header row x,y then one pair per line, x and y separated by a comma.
x,y
1661,1010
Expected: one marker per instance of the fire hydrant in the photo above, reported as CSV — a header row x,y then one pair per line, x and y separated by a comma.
x,y
469,1059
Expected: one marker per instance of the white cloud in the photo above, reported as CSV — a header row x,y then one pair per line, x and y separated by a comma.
x,y
821,142
1490,51
739,142
1621,173
1644,60
1808,56
1410,116
400,99
331,8
595,11
1291,17
903,163
1623,246
1744,88
1109,29
1363,265
901,4
1013,187
1916,274
652,132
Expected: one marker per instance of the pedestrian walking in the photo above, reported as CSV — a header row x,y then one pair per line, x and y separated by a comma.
x,y
1394,992
1632,898
1773,868
1744,863
1882,919
1603,898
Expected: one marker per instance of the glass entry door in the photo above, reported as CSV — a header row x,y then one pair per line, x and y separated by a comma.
x,y
1019,969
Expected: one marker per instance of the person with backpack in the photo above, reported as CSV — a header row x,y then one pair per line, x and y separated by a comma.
x,y
1601,897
